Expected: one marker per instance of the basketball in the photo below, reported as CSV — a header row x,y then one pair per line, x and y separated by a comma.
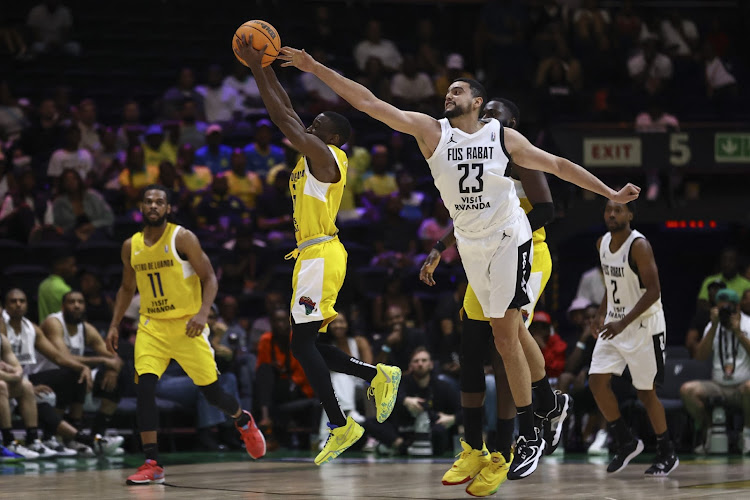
x,y
263,33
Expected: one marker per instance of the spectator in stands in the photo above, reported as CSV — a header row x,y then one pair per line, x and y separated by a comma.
x,y
627,27
57,284
575,317
558,79
70,156
157,148
12,115
185,89
25,209
128,134
273,208
99,305
412,89
239,265
12,39
222,102
196,177
649,69
656,120
50,24
446,334
379,183
319,96
398,341
243,184
106,155
729,274
136,175
218,211
428,48
591,25
7,179
272,301
433,229
192,131
395,238
420,392
375,78
40,140
590,288
325,34
701,318
413,201
552,346
243,82
454,68
377,47
90,129
179,196
284,393
261,154
359,164
215,154
721,85
727,336
679,35
80,212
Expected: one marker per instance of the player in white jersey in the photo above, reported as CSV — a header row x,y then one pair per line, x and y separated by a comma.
x,y
631,333
468,158
70,334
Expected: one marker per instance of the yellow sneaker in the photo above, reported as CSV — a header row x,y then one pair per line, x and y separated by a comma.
x,y
339,439
385,388
491,477
468,465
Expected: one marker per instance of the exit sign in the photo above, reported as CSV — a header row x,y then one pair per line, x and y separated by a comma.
x,y
732,147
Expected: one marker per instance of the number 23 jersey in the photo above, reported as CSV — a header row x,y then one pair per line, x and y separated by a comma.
x,y
469,171
167,283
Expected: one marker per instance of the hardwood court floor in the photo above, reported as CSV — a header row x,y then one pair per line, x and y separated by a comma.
x,y
292,478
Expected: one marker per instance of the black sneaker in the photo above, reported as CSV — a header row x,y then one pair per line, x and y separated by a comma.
x,y
553,421
663,465
526,456
624,455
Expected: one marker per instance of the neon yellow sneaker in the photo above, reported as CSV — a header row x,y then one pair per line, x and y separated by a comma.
x,y
339,439
491,477
385,388
468,465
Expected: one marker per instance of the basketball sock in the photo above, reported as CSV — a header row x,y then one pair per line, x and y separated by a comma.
x,y
664,446
338,361
620,431
317,373
545,397
151,450
84,438
243,419
32,434
504,436
100,424
7,436
473,427
526,421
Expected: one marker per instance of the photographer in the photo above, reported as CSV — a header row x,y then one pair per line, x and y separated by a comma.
x,y
728,336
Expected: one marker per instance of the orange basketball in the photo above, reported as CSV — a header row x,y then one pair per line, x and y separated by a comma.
x,y
263,33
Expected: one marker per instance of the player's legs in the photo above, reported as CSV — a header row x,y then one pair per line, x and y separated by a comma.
x,y
23,392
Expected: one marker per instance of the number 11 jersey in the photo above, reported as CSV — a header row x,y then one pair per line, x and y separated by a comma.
x,y
167,283
469,171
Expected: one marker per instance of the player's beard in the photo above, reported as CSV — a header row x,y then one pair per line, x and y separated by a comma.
x,y
456,111
616,227
154,223
72,318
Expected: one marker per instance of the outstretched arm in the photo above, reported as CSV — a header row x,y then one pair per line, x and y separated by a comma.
x,y
526,154
424,128
320,158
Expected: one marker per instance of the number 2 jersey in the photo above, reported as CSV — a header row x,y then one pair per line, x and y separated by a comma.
x,y
167,283
469,171
624,286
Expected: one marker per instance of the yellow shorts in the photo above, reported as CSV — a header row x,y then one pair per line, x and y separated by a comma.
x,y
160,340
541,269
318,276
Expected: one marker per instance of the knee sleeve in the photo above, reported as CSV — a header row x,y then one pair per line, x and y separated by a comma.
x,y
49,420
216,396
474,341
146,412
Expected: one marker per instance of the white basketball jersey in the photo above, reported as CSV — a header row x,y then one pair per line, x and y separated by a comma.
x,y
22,342
469,172
76,344
624,287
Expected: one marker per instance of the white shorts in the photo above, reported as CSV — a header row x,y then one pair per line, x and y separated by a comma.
x,y
640,347
498,266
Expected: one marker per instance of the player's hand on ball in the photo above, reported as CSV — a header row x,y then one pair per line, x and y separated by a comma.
x,y
429,266
628,193
196,325
297,58
245,51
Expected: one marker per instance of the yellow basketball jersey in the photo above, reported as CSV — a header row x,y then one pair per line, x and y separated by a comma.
x,y
168,284
540,234
316,203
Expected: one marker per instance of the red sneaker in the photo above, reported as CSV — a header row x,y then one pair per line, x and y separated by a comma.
x,y
148,473
255,443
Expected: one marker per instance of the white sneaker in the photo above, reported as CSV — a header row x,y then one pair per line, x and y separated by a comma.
x,y
701,449
81,449
43,451
599,446
20,449
107,445
57,447
371,444
746,441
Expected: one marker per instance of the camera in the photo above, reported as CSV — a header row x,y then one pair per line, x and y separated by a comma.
x,y
725,313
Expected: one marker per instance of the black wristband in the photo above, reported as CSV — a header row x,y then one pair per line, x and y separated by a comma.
x,y
439,246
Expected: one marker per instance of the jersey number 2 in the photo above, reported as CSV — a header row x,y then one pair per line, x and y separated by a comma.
x,y
153,284
467,168
615,300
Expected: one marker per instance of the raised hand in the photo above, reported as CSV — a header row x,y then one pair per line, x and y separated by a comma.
x,y
628,193
249,54
297,58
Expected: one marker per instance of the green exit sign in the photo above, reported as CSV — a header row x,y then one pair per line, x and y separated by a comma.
x,y
732,147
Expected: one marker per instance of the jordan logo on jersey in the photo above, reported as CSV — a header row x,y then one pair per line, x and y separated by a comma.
x,y
452,140
308,303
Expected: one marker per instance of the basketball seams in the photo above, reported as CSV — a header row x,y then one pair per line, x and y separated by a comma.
x,y
265,35
273,50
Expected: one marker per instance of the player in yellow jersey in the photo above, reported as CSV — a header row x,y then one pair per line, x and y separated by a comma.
x,y
177,285
317,185
490,471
